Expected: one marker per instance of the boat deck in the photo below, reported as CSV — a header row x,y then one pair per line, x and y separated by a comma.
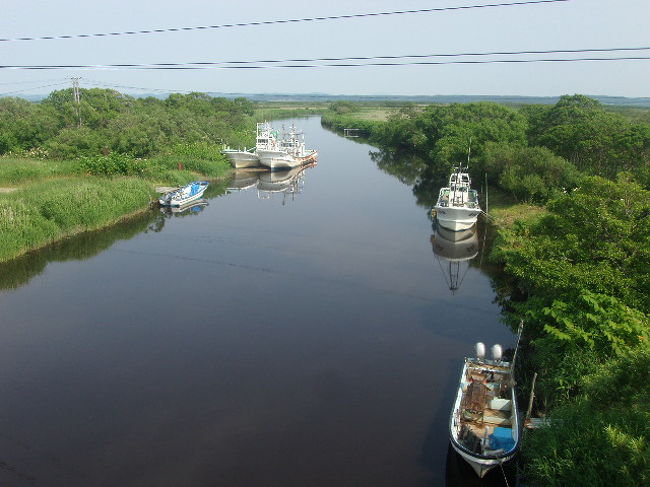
x,y
484,405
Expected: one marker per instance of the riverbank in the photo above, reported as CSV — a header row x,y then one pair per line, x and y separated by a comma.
x,y
53,200
572,237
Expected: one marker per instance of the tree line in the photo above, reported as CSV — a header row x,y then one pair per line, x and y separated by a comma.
x,y
106,121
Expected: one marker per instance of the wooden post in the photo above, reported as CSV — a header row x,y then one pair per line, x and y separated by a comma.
x,y
532,396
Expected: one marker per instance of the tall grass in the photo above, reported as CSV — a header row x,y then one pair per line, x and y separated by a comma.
x,y
15,171
50,210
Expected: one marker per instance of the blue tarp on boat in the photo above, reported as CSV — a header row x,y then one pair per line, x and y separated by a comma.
x,y
501,438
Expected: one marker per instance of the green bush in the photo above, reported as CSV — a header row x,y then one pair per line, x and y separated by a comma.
x,y
113,164
601,438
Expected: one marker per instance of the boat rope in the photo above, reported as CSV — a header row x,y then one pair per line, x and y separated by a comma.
x,y
503,472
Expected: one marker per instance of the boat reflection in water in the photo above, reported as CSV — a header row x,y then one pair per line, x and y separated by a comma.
x,y
193,208
243,180
454,250
288,183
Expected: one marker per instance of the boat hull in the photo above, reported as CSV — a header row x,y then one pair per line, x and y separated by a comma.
x,y
279,160
177,198
456,218
479,465
243,159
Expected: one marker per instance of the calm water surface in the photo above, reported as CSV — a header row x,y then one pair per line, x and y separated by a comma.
x,y
271,339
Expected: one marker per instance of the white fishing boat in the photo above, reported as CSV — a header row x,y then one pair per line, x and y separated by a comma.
x,y
290,153
485,425
458,206
184,195
265,140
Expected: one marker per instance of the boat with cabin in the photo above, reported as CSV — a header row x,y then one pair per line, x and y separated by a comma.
x,y
458,206
242,158
184,195
290,153
485,426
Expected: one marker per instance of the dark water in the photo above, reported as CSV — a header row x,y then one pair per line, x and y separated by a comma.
x,y
305,338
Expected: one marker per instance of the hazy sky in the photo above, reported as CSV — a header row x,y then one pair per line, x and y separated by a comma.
x,y
575,24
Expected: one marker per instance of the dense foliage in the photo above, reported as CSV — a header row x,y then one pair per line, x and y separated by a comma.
x,y
579,277
114,122
532,152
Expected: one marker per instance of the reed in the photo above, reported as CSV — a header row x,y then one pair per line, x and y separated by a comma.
x,y
43,212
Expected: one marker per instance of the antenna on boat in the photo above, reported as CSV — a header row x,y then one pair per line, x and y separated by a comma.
x,y
519,332
469,151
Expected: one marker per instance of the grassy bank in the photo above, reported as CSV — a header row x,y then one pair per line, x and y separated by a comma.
x,y
52,200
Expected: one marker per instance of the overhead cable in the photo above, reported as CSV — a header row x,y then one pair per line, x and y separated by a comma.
x,y
34,88
419,56
329,59
279,21
91,82
28,82
204,66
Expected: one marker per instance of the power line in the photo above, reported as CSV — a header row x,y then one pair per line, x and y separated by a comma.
x,y
91,83
330,59
204,66
283,21
33,88
418,56
29,82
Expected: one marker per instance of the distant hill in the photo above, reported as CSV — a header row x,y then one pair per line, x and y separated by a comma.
x,y
323,97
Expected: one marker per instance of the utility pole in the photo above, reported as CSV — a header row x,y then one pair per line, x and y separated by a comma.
x,y
77,97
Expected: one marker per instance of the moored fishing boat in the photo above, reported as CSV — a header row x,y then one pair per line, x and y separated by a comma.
x,y
458,206
290,152
265,140
484,426
184,195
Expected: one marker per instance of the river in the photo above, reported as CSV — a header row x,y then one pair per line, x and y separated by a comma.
x,y
305,338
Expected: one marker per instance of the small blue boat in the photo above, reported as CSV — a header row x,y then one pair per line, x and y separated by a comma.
x,y
184,195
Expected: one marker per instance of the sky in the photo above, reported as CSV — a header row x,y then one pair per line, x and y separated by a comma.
x,y
572,24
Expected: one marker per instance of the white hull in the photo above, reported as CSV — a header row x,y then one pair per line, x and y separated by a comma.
x,y
279,160
183,196
183,202
456,218
243,159
480,466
